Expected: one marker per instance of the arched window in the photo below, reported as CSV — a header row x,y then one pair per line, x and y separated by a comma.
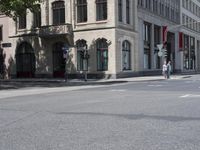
x,y
58,9
25,60
102,55
59,59
126,55
101,10
81,11
82,63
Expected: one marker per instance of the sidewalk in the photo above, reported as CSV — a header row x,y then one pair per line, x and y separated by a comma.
x,y
44,82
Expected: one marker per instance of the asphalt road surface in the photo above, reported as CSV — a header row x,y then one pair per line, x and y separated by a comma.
x,y
154,115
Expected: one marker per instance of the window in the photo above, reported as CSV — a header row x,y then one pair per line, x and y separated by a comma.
x,y
102,55
25,60
126,55
140,3
157,40
81,11
120,10
22,21
58,8
1,33
155,6
101,9
147,48
148,4
37,18
127,11
82,63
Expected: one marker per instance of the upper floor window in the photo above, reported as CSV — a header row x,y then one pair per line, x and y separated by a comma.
x,y
128,11
81,11
22,21
1,33
140,3
58,8
37,17
120,10
155,6
148,4
101,10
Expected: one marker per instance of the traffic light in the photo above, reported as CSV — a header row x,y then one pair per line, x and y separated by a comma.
x,y
165,53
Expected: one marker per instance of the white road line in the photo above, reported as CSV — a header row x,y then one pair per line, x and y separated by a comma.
x,y
155,85
184,96
118,90
190,96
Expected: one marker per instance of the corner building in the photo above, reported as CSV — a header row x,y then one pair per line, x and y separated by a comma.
x,y
157,21
97,36
106,39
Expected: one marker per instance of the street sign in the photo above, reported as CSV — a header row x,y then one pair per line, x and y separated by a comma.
x,y
6,44
160,46
160,53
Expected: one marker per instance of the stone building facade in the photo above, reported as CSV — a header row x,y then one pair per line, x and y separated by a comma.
x,y
106,39
156,22
97,36
190,52
6,54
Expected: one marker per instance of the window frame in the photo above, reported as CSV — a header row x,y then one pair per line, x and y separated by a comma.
x,y
102,59
126,50
81,45
120,11
22,21
37,18
58,13
101,10
82,11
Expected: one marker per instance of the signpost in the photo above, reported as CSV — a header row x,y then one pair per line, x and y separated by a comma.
x,y
85,56
162,51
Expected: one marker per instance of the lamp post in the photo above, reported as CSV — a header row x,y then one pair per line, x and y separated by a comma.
x,y
85,57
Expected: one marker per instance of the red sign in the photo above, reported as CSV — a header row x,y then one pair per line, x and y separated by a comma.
x,y
180,41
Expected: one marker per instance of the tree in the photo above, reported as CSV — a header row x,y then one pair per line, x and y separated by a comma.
x,y
15,8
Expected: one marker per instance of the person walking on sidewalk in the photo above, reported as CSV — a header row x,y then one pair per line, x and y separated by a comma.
x,y
164,70
169,69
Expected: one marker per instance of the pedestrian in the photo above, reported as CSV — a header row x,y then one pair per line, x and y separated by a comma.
x,y
164,69
169,69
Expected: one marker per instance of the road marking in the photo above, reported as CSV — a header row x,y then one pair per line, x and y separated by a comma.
x,y
184,96
155,85
190,96
118,90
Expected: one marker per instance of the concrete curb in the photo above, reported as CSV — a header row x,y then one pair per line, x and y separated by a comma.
x,y
27,83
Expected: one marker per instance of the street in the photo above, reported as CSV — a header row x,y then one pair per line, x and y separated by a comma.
x,y
145,115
